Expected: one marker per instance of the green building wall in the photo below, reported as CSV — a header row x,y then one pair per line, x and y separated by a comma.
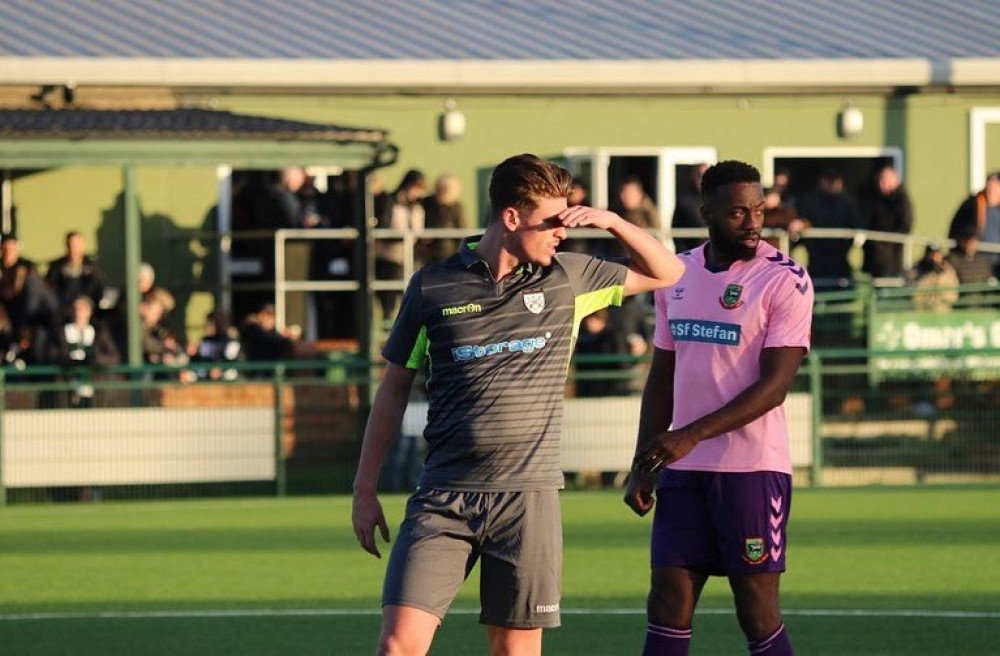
x,y
174,203
932,129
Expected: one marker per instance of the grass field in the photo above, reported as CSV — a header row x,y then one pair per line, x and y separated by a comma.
x,y
870,572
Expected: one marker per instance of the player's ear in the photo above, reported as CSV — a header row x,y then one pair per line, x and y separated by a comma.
x,y
511,219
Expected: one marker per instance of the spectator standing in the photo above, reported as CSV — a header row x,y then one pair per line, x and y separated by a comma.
x,y
32,309
687,211
981,213
886,208
635,205
782,183
75,273
828,206
85,344
600,336
781,216
443,209
401,210
934,281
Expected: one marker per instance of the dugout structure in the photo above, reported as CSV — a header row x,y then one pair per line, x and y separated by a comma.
x,y
33,139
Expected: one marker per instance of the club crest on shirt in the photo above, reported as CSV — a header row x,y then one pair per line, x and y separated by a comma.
x,y
730,299
754,551
678,294
535,302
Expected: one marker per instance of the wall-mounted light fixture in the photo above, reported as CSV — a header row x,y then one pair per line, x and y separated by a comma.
x,y
850,121
452,121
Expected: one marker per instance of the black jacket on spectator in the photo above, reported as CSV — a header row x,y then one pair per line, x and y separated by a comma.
x,y
70,283
262,345
886,213
828,257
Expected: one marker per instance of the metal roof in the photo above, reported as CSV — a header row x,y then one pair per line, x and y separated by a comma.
x,y
402,43
175,123
501,30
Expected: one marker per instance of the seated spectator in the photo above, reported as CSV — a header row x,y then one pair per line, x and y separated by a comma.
x,y
159,345
85,344
971,265
219,344
934,281
261,340
75,273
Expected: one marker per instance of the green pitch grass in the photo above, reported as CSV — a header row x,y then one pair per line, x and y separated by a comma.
x,y
870,572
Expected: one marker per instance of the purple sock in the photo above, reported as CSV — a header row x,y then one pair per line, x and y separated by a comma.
x,y
775,643
666,641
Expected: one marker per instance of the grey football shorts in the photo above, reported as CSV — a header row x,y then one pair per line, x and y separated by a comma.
x,y
517,537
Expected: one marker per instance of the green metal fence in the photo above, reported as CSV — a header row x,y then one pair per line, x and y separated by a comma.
x,y
295,427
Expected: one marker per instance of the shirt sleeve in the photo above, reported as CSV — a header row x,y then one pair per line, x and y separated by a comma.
x,y
790,316
407,345
596,283
662,339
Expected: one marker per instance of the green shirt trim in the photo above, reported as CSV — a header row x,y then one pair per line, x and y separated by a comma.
x,y
593,301
421,349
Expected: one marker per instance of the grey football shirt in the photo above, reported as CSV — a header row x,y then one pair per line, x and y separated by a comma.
x,y
497,355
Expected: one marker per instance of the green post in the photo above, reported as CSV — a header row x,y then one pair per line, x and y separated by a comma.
x,y
279,429
816,389
3,418
133,253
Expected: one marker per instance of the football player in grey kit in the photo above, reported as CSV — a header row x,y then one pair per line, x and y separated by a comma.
x,y
495,326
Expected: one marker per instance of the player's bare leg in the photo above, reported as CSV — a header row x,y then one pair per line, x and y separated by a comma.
x,y
756,600
406,631
505,641
673,594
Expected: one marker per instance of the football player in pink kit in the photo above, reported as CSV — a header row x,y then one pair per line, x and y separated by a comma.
x,y
713,441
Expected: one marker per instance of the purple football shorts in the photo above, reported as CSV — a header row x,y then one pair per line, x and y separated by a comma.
x,y
721,523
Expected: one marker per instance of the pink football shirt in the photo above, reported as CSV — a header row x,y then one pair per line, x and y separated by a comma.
x,y
718,324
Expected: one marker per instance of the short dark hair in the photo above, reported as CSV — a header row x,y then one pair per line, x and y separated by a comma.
x,y
520,181
411,178
725,173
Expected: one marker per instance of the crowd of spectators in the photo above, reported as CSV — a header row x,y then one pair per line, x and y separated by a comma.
x,y
70,317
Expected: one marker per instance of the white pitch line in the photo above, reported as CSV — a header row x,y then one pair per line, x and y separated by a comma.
x,y
342,612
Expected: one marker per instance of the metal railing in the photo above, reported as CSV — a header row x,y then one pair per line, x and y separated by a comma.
x,y
297,427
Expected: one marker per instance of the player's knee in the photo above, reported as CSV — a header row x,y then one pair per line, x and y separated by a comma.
x,y
667,609
757,621
516,643
392,643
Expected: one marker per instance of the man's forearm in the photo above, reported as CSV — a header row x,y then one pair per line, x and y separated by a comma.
x,y
751,404
646,252
383,425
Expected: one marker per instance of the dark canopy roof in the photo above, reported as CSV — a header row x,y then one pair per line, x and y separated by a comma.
x,y
175,123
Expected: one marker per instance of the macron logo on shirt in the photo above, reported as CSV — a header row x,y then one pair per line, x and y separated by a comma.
x,y
707,332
